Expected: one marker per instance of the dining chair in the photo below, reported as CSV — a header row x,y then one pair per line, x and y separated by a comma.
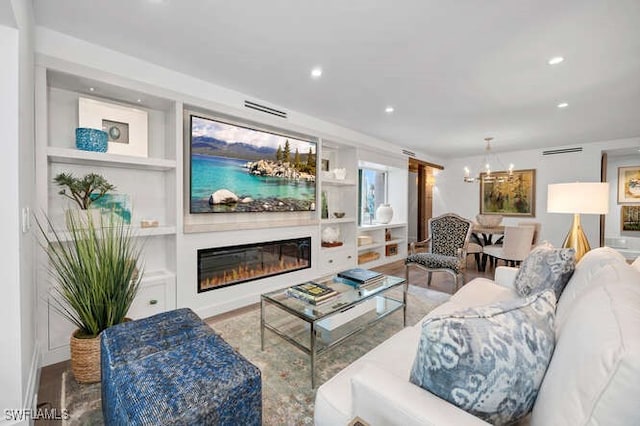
x,y
475,248
516,245
446,248
536,233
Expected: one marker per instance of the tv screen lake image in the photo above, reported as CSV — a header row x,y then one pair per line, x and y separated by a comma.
x,y
261,193
240,169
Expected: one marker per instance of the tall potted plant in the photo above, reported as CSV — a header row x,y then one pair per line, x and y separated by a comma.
x,y
95,267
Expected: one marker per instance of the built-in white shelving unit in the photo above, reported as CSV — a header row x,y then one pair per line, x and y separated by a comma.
x,y
150,183
157,186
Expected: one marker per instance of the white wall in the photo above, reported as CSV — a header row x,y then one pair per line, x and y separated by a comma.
x,y
452,194
18,354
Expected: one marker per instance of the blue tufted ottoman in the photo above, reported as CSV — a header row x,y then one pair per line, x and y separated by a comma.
x,y
172,368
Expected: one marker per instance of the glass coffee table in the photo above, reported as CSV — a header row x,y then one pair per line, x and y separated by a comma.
x,y
314,329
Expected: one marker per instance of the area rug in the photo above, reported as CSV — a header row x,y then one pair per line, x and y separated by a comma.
x,y
287,396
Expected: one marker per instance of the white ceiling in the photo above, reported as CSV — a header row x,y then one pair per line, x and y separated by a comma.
x,y
455,71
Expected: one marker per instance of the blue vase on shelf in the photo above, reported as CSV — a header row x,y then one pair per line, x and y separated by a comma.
x,y
91,139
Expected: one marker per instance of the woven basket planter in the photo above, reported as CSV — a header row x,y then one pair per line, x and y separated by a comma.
x,y
85,358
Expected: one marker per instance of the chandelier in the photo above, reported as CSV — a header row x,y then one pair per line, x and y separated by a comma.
x,y
486,171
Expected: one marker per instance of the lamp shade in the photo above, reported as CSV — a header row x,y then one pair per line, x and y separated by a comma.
x,y
578,197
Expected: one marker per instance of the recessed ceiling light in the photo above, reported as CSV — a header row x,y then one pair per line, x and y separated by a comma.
x,y
91,89
555,60
138,100
316,72
563,105
389,109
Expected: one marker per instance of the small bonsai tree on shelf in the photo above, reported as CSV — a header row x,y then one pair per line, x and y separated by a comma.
x,y
85,190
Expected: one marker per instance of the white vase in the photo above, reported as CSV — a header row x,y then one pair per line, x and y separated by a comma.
x,y
384,213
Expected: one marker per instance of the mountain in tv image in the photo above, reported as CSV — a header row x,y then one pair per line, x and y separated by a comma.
x,y
240,169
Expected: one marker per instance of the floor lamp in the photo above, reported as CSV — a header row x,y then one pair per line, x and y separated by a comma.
x,y
578,198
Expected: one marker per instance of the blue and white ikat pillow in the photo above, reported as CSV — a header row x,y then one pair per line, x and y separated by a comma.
x,y
545,267
489,360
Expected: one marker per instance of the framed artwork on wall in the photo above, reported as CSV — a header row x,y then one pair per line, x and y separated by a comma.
x,y
630,218
126,127
629,184
509,194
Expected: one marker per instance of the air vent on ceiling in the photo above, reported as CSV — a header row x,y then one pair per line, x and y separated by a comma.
x,y
409,153
264,108
562,151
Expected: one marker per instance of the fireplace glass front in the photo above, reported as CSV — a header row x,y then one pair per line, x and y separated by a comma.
x,y
224,266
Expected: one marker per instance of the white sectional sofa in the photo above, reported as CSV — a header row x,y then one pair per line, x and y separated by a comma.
x,y
593,377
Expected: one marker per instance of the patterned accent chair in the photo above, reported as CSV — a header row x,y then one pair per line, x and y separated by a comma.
x,y
449,236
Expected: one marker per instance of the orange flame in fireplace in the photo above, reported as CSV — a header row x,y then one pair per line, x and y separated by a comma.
x,y
245,273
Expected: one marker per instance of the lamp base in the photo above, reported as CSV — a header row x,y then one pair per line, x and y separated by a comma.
x,y
576,238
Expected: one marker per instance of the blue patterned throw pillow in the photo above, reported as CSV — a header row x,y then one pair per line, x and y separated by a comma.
x,y
488,360
545,267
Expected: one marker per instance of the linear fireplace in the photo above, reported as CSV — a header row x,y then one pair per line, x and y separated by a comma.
x,y
224,266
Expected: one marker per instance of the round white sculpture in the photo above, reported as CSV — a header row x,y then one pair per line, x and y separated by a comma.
x,y
384,213
330,234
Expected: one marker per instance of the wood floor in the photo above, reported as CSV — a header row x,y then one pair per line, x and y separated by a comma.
x,y
51,376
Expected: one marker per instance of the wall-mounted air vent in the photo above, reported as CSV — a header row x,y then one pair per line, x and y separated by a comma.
x,y
409,153
562,151
264,108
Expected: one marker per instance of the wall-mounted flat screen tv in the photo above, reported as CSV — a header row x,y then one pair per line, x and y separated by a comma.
x,y
241,169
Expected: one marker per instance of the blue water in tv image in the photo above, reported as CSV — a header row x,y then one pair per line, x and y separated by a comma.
x,y
238,169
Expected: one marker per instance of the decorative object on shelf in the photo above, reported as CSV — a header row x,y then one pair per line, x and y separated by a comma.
x,y
118,204
387,234
489,220
368,256
629,184
324,213
126,127
85,190
630,218
578,198
339,215
149,223
391,250
364,240
486,172
515,196
95,267
340,174
330,234
88,139
324,165
384,213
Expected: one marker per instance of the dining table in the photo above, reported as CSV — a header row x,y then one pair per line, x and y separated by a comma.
x,y
484,235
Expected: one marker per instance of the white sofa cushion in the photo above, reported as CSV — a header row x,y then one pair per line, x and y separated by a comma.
x,y
488,360
545,267
594,375
381,398
394,355
636,263
582,278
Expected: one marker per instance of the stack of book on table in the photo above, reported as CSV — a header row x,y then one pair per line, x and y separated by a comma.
x,y
359,277
312,292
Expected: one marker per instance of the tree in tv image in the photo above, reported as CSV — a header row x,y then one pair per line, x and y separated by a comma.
x,y
240,169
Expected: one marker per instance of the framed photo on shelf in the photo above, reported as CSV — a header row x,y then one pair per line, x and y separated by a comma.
x,y
629,184
125,126
509,194
630,218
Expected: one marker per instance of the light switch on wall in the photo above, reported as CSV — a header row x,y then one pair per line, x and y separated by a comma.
x,y
26,219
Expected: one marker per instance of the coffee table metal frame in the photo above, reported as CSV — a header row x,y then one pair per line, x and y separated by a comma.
x,y
348,299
